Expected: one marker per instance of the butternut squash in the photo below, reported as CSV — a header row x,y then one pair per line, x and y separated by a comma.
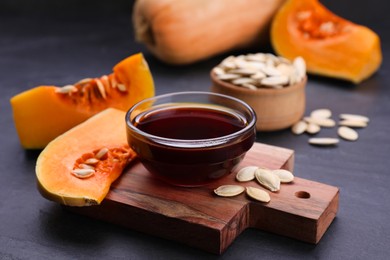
x,y
44,112
98,145
186,31
331,45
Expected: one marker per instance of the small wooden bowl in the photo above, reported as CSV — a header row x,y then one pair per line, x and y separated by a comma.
x,y
276,109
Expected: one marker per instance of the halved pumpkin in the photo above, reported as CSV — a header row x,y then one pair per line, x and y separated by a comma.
x,y
78,167
331,46
43,113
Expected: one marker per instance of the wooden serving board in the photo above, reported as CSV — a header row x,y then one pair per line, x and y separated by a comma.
x,y
197,217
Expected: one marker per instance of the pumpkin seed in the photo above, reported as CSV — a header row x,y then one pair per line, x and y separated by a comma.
x,y
229,190
101,153
218,71
271,71
66,89
84,81
352,123
243,71
347,133
258,75
86,166
249,86
321,113
91,161
242,81
101,88
284,175
300,67
275,80
228,76
121,87
258,194
299,127
83,173
113,82
354,117
323,141
267,179
324,122
246,174
313,128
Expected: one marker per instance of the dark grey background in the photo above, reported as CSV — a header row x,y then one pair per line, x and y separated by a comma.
x,y
60,42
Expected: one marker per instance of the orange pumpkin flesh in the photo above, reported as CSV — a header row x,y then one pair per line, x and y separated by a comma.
x,y
331,46
42,113
68,151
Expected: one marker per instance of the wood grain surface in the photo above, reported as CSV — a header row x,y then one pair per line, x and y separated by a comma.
x,y
197,217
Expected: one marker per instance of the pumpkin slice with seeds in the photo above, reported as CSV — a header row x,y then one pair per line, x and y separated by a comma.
x,y
43,113
78,167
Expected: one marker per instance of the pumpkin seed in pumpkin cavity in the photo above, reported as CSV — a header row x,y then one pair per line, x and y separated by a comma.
x,y
83,173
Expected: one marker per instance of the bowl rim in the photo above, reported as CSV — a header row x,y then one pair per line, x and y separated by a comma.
x,y
192,143
259,91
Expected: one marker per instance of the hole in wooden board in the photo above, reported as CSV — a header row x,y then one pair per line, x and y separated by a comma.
x,y
302,194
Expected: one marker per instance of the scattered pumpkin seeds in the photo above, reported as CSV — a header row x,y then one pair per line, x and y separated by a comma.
x,y
246,174
347,133
299,127
324,122
354,117
321,113
313,128
321,118
353,123
285,176
258,194
229,190
323,141
267,179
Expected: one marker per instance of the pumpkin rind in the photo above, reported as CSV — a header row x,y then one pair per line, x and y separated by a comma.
x,y
56,161
331,46
41,114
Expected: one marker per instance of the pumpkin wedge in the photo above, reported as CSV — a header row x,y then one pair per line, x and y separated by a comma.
x,y
331,45
44,112
78,167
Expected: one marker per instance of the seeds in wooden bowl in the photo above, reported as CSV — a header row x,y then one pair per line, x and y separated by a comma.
x,y
260,70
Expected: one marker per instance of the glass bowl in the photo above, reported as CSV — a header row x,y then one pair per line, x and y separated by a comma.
x,y
191,138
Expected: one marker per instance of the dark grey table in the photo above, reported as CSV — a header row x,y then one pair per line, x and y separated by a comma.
x,y
60,42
